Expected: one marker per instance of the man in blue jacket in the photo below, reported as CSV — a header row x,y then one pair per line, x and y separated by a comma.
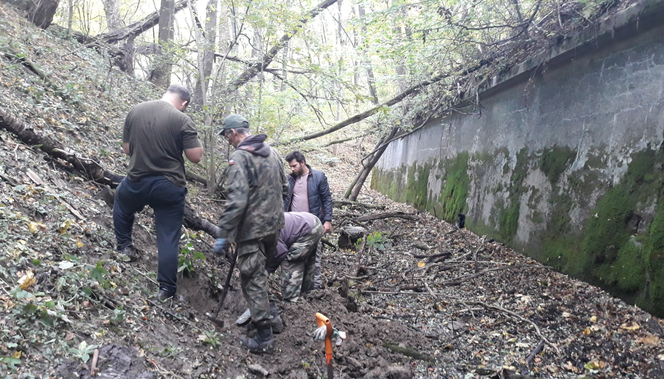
x,y
308,191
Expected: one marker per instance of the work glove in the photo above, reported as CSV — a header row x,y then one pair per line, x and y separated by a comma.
x,y
221,246
338,336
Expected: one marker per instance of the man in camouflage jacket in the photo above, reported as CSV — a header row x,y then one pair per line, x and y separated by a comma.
x,y
256,183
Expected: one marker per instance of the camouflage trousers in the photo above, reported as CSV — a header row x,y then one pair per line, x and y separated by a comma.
x,y
318,271
297,271
252,257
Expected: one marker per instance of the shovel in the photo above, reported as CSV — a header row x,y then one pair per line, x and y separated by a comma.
x,y
213,316
324,321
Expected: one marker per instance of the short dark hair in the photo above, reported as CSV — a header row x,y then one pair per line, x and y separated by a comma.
x,y
299,157
181,91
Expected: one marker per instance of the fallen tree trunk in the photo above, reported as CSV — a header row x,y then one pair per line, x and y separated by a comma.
x,y
86,166
396,99
355,204
130,31
380,216
355,188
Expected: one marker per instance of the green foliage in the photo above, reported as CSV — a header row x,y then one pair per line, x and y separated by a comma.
x,y
187,257
118,316
98,272
170,351
83,351
210,338
10,362
376,240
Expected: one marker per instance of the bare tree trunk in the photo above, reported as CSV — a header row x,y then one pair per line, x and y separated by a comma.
x,y
128,56
42,11
161,74
210,41
112,11
355,187
371,80
70,19
284,68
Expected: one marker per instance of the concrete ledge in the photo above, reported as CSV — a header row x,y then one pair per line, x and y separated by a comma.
x,y
637,18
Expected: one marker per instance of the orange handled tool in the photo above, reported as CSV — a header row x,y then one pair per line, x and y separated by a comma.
x,y
324,321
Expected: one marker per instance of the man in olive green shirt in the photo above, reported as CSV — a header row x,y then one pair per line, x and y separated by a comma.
x,y
155,135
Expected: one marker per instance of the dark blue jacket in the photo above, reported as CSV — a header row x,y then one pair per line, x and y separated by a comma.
x,y
318,193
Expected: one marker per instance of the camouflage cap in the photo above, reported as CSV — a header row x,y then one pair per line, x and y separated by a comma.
x,y
234,121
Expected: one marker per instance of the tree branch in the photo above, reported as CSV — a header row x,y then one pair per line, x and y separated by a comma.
x,y
255,68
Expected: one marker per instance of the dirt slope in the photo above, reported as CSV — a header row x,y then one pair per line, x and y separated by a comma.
x,y
420,299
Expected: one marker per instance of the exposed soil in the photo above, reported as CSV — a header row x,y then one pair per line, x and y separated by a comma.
x,y
419,298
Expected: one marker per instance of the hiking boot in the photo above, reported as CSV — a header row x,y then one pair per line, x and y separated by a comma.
x,y
276,323
244,319
263,342
131,252
164,295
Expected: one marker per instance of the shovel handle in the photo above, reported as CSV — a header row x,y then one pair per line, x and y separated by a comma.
x,y
322,320
224,292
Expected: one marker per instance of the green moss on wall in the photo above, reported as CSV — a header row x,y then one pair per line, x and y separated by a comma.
x,y
509,213
653,283
611,252
605,231
554,161
454,189
417,185
606,250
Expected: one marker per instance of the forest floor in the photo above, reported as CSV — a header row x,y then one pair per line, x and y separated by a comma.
x,y
419,298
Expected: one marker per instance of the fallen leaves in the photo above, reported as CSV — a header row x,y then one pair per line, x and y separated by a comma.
x,y
570,367
649,340
36,226
634,326
27,280
595,365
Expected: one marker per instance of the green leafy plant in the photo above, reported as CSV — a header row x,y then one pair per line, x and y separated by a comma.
x,y
211,338
187,257
170,351
358,244
83,351
118,316
376,240
98,273
10,362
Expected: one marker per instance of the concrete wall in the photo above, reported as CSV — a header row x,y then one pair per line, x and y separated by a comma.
x,y
565,161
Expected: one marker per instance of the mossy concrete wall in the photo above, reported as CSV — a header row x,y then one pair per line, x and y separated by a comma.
x,y
565,163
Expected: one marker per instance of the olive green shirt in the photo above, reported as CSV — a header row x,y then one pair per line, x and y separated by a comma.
x,y
157,134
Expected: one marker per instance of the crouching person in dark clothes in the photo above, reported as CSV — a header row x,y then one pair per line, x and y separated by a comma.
x,y
256,183
155,135
298,242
